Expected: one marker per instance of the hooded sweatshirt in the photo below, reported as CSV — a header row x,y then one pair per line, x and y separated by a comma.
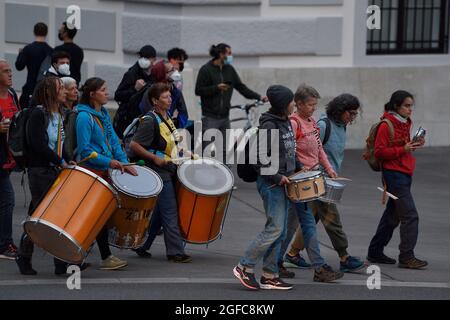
x,y
392,153
288,164
90,138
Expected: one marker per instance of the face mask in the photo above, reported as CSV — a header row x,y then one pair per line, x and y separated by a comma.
x,y
144,63
64,69
175,76
229,59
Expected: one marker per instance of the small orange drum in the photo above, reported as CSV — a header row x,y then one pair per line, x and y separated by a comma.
x,y
138,194
203,195
72,214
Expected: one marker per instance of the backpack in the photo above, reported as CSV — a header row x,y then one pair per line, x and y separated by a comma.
x,y
70,140
327,130
17,137
131,130
245,170
369,153
128,111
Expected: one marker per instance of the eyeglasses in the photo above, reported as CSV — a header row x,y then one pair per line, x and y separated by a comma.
x,y
352,113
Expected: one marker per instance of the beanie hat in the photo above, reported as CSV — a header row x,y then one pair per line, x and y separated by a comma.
x,y
279,97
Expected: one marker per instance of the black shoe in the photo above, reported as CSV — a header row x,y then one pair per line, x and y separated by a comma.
x,y
142,253
383,259
276,284
61,269
160,232
180,258
247,279
285,273
413,263
25,267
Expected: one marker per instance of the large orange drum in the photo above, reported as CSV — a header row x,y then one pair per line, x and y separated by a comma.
x,y
203,195
72,214
138,195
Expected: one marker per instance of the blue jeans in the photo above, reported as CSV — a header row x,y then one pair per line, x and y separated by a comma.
x,y
309,230
291,229
165,215
267,244
6,210
402,211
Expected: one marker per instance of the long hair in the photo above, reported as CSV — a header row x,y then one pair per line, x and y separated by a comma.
x,y
46,94
215,51
397,99
340,104
91,85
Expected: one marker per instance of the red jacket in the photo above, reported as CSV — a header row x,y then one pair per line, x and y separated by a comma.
x,y
392,153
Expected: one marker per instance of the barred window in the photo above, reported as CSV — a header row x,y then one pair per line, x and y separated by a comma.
x,y
410,27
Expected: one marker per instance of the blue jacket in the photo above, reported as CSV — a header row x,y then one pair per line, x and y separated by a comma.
x,y
335,146
90,138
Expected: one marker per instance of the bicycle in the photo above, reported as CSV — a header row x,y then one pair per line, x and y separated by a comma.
x,y
252,112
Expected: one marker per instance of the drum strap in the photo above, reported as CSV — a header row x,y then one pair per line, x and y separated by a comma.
x,y
103,130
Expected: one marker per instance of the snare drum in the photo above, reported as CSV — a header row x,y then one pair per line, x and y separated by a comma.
x,y
203,193
72,214
334,191
127,228
306,186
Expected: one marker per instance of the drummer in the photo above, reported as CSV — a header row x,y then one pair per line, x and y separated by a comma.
x,y
95,134
340,112
310,152
155,141
45,134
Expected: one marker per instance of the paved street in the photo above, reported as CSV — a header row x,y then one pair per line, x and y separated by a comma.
x,y
210,276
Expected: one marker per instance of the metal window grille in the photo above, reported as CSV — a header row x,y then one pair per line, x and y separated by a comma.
x,y
410,27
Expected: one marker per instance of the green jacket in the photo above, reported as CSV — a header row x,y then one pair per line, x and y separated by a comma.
x,y
214,102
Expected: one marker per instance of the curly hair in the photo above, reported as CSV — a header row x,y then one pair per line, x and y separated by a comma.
x,y
46,93
340,104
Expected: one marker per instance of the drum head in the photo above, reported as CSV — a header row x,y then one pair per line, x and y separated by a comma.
x,y
145,185
306,175
205,176
333,183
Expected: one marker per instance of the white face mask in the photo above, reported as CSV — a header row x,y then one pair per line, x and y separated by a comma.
x,y
64,69
175,76
144,63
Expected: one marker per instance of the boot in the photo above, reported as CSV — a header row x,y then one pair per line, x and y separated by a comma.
x,y
25,267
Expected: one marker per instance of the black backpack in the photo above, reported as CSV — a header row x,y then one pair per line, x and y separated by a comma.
x,y
245,170
128,111
17,137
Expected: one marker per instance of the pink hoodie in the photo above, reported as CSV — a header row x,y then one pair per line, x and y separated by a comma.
x,y
309,147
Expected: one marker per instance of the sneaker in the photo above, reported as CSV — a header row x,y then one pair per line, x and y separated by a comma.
x,y
285,273
351,264
142,253
112,263
10,253
25,267
296,262
180,258
327,274
276,283
413,263
383,259
247,279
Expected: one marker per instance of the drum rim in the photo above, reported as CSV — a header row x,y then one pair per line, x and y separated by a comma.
x,y
138,196
100,179
201,193
314,177
339,185
58,229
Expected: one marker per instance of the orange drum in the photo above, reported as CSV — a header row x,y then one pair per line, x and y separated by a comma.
x,y
72,214
138,194
203,195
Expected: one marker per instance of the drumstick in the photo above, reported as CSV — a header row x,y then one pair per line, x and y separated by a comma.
x,y
138,163
291,176
341,179
390,195
93,155
181,159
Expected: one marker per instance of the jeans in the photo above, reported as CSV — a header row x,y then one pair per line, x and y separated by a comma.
x,y
165,215
6,210
222,125
402,211
309,229
293,227
267,244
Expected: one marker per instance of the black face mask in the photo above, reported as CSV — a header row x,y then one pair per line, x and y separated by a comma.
x,y
181,64
60,37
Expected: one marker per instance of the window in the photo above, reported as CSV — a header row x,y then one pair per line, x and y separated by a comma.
x,y
410,27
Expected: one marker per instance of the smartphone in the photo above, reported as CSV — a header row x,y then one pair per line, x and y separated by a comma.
x,y
420,133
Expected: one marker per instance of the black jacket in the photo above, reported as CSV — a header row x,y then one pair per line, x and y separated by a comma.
x,y
3,136
216,103
126,87
288,163
38,152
